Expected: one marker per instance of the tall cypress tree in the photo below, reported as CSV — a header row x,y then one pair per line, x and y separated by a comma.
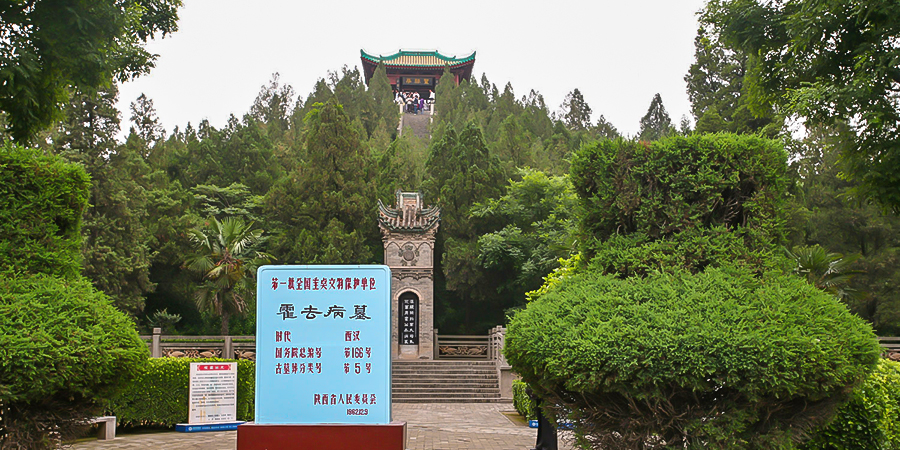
x,y
715,85
656,124
575,111
462,172
324,208
114,244
386,112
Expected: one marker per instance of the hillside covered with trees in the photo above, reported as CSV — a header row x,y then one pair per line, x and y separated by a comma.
x,y
303,172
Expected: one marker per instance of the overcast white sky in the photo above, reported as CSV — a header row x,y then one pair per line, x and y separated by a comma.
x,y
618,53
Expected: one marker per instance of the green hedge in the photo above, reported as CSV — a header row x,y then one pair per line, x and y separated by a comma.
x,y
521,401
744,361
159,394
41,201
64,349
681,183
871,419
691,250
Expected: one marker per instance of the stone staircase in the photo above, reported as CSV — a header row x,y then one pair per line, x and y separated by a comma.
x,y
445,382
417,124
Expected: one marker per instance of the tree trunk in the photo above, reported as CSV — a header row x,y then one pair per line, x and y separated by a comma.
x,y
225,318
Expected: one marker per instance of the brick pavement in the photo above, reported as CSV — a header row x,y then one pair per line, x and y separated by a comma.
x,y
438,426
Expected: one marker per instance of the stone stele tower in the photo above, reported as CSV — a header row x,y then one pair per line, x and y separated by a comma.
x,y
408,230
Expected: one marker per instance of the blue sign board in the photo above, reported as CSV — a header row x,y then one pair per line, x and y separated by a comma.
x,y
323,345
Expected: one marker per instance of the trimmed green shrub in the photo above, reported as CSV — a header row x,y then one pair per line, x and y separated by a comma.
x,y
717,359
691,250
42,199
159,394
681,183
63,348
521,401
871,419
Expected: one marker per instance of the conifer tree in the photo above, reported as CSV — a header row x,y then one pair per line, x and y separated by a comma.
x,y
145,123
323,208
605,129
656,124
114,241
575,111
462,173
272,107
715,85
386,111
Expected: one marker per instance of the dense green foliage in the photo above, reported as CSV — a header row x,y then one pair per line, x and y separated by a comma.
x,y
462,172
870,419
308,169
715,84
535,227
829,62
44,52
41,201
159,394
722,358
521,401
323,208
678,326
691,250
696,182
65,349
825,212
115,249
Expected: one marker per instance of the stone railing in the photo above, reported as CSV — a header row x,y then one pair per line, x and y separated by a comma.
x,y
227,347
461,346
496,340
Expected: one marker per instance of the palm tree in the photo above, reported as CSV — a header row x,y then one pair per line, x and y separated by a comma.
x,y
226,259
827,271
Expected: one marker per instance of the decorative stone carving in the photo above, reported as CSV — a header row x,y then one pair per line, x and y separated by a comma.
x,y
193,353
463,350
409,253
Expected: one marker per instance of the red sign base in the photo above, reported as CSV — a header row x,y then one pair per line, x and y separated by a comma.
x,y
252,436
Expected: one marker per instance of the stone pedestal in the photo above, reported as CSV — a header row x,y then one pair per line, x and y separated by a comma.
x,y
253,436
408,231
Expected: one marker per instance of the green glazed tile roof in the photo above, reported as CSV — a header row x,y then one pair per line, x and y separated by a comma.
x,y
418,59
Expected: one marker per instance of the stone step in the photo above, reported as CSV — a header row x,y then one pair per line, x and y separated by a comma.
x,y
443,363
446,391
447,372
444,368
444,379
457,381
445,382
428,381
448,400
456,395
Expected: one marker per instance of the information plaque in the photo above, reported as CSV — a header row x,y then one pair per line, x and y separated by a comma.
x,y
213,393
323,345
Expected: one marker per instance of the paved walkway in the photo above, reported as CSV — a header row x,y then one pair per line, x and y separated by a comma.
x,y
438,426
